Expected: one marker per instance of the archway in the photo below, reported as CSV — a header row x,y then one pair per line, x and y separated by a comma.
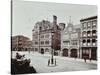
x,y
42,51
65,52
73,53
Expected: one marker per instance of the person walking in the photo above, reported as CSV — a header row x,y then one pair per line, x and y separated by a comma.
x,y
55,62
48,62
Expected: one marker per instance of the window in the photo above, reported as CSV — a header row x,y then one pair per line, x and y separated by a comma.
x,y
88,42
84,34
94,42
74,42
94,23
66,42
84,42
36,42
42,42
46,42
74,35
47,36
42,36
88,33
84,25
35,36
89,24
94,32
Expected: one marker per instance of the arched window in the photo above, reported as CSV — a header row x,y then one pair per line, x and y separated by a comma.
x,y
94,32
84,33
89,42
84,42
94,42
88,33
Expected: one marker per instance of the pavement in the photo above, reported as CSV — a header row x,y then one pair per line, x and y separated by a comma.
x,y
63,64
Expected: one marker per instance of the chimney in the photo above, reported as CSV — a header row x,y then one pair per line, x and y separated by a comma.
x,y
54,20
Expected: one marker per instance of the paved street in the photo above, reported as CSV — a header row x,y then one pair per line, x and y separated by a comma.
x,y
40,63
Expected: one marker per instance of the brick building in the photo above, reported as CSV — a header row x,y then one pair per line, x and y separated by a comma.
x,y
46,36
21,43
70,40
89,38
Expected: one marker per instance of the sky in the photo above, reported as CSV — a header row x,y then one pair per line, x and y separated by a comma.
x,y
26,13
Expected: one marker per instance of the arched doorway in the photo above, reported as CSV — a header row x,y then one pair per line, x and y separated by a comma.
x,y
42,51
73,53
65,52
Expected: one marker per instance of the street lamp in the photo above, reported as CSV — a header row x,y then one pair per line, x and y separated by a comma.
x,y
51,61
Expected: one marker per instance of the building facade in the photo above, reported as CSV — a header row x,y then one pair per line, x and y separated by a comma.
x,y
21,43
70,41
89,38
46,36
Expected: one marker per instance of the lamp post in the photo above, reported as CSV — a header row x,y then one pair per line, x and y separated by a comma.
x,y
52,62
39,39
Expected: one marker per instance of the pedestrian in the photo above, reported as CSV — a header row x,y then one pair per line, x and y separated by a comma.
x,y
48,62
55,62
18,56
85,59
90,59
